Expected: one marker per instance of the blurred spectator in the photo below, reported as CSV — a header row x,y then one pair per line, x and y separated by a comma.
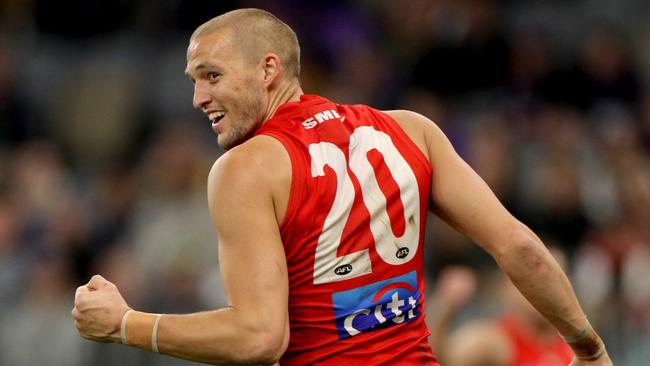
x,y
171,231
644,116
103,164
40,319
14,125
13,261
530,62
80,19
96,117
473,55
550,185
604,72
518,335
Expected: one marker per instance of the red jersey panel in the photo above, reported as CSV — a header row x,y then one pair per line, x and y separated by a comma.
x,y
353,236
529,351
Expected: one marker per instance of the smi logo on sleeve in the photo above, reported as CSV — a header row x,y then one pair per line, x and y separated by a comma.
x,y
376,306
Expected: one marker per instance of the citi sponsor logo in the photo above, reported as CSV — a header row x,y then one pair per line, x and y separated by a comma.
x,y
321,117
377,306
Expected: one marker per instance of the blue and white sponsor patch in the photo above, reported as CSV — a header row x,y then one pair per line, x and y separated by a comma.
x,y
376,306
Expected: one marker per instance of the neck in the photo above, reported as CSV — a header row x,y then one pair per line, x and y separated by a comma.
x,y
286,92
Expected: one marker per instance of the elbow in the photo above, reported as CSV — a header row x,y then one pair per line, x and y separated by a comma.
x,y
519,245
265,346
270,347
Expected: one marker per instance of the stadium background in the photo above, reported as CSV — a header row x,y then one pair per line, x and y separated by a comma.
x,y
103,161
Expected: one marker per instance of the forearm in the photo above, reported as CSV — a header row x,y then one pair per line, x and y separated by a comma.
x,y
223,336
537,275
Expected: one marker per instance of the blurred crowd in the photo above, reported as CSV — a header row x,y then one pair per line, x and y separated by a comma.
x,y
103,162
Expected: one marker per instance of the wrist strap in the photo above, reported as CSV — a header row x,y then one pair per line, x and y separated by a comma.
x,y
139,329
587,345
154,334
123,326
578,337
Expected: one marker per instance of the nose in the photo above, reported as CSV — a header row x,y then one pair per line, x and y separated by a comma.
x,y
201,95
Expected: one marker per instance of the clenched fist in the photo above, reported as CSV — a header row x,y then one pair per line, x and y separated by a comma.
x,y
98,310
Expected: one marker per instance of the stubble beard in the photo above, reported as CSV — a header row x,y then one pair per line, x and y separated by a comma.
x,y
243,127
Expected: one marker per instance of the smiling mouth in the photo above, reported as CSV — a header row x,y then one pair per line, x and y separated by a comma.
x,y
215,117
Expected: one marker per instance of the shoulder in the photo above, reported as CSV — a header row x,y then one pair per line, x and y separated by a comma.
x,y
409,117
479,342
415,122
423,131
260,164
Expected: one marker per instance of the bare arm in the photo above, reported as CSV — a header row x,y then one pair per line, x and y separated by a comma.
x,y
255,328
253,269
463,199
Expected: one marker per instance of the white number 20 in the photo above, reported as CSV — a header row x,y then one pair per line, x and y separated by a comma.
x,y
328,267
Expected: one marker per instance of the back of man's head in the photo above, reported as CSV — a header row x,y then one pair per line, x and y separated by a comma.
x,y
257,32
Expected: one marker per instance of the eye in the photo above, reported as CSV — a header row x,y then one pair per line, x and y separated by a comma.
x,y
213,76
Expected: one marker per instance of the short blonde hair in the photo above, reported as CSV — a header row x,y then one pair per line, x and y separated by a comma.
x,y
257,32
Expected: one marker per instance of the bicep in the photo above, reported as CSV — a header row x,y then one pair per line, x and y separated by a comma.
x,y
461,197
251,254
458,195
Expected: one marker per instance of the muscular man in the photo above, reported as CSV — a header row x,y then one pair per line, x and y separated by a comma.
x,y
320,211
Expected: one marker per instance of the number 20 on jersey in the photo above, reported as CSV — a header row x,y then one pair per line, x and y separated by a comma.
x,y
394,250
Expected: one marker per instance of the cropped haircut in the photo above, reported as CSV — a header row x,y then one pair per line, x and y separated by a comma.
x,y
257,32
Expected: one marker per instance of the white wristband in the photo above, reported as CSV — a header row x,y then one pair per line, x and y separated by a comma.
x,y
123,326
154,334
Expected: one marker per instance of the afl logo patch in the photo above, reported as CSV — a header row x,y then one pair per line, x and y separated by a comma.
x,y
402,252
343,269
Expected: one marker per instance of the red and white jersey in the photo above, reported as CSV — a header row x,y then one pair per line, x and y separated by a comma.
x,y
353,236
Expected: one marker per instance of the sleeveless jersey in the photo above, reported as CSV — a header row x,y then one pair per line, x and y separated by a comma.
x,y
353,236
529,351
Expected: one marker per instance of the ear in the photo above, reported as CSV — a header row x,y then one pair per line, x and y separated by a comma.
x,y
272,68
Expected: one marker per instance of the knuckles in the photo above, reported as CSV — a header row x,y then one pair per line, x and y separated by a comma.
x,y
98,280
81,301
80,290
